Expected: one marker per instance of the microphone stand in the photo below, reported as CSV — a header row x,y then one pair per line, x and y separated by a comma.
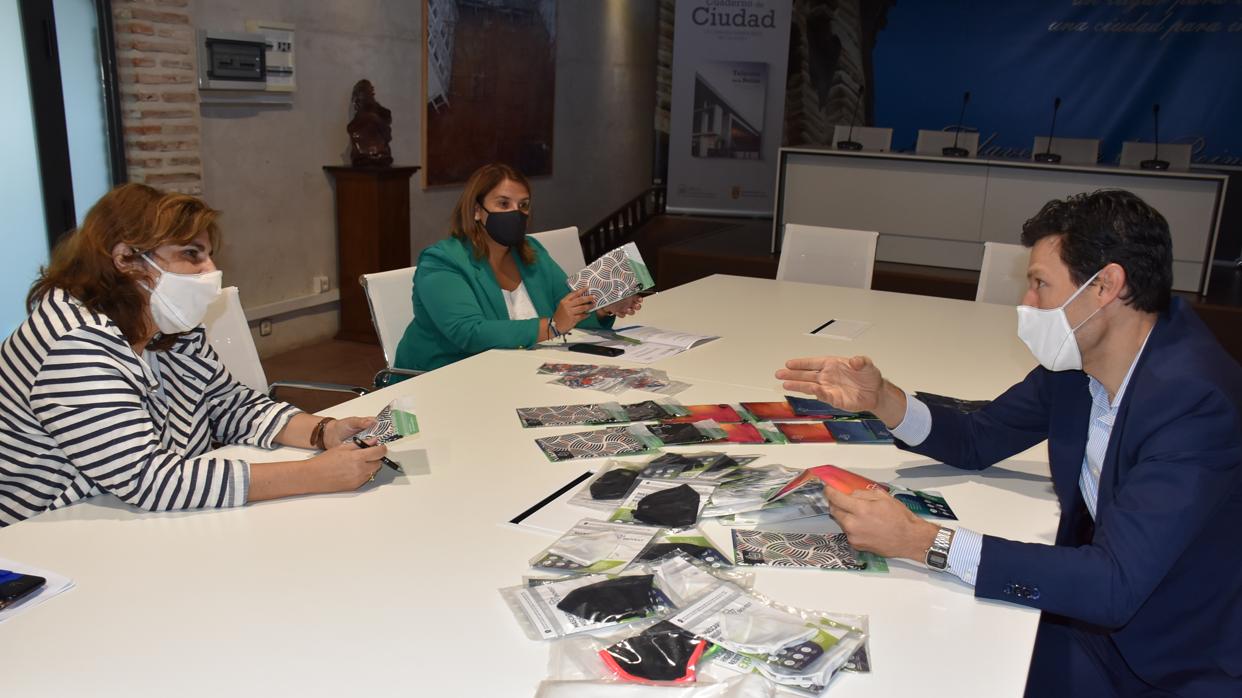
x,y
1155,163
849,143
1048,156
954,151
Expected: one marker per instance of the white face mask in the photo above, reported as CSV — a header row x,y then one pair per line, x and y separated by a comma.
x,y
179,301
1047,333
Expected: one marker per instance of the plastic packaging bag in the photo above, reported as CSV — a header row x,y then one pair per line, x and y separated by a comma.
x,y
592,546
555,609
748,489
787,645
607,488
693,543
611,441
676,503
742,686
572,415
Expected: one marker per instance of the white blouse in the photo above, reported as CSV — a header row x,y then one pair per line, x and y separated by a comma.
x,y
518,303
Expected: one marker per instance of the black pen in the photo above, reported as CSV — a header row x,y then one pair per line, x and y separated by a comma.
x,y
817,329
383,459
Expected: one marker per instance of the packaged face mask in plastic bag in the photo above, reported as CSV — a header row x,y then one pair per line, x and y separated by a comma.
x,y
677,504
663,652
748,489
572,415
607,488
594,546
740,686
579,604
614,600
693,543
786,645
611,441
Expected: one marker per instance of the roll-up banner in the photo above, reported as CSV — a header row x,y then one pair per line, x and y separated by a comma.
x,y
728,102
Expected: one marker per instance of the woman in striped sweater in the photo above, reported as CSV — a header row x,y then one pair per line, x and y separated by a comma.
x,y
111,386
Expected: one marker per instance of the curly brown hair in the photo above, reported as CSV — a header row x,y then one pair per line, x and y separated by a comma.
x,y
463,225
136,215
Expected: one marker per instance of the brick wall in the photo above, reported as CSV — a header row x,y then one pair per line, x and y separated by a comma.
x,y
159,93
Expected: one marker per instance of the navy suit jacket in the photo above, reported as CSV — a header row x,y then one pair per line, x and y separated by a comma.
x,y
1162,572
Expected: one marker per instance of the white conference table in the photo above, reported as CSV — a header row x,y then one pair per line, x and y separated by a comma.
x,y
392,590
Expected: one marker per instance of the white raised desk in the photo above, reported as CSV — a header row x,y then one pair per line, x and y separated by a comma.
x,y
391,590
938,211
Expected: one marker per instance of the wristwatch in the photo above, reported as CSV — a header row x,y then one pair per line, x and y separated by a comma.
x,y
938,554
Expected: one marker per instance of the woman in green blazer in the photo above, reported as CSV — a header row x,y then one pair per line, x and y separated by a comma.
x,y
489,286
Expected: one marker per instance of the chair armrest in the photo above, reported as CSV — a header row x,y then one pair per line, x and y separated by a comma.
x,y
384,376
312,385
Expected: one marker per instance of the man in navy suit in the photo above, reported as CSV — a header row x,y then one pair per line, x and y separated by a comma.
x,y
1142,410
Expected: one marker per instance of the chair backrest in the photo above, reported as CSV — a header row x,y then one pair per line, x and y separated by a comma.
x,y
933,142
390,294
1133,153
563,246
832,256
229,334
1002,277
873,139
1073,151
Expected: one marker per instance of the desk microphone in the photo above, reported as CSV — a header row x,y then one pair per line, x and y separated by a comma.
x,y
1155,163
954,151
849,143
1048,155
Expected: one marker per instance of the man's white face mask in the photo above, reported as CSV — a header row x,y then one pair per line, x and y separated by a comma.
x,y
1047,333
179,301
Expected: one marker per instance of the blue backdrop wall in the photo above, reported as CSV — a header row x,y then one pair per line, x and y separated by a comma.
x,y
1109,61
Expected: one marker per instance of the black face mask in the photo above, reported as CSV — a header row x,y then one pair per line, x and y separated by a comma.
x,y
663,652
709,555
613,484
613,600
675,507
506,227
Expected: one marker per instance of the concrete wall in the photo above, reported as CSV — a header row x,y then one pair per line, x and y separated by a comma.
x,y
262,166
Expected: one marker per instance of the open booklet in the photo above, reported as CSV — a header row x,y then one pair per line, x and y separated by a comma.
x,y
644,345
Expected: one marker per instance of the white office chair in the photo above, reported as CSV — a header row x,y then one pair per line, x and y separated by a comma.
x,y
934,142
831,256
1133,153
872,139
390,295
229,334
1002,277
564,248
1073,151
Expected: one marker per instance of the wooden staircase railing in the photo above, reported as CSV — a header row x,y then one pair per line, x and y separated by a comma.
x,y
618,227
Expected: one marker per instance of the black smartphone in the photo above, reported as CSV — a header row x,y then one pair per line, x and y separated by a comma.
x,y
15,586
596,349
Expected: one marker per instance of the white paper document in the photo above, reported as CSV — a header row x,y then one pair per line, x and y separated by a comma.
x,y
56,584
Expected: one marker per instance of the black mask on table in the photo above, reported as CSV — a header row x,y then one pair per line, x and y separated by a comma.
x,y
506,227
613,484
701,552
663,652
612,600
675,507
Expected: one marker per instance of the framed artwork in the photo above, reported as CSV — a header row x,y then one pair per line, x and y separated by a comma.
x,y
489,79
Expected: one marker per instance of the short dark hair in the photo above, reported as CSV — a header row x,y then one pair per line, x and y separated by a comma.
x,y
1107,226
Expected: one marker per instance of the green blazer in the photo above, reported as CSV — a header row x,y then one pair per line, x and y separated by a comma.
x,y
459,310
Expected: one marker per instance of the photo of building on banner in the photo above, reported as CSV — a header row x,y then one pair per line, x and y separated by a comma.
x,y
727,106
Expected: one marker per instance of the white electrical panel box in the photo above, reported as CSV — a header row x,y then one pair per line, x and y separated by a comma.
x,y
279,55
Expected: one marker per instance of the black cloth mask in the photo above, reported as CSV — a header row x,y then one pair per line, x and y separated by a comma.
x,y
613,484
613,600
663,652
506,227
706,554
675,507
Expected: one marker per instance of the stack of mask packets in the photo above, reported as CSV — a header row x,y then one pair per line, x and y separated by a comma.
x,y
646,597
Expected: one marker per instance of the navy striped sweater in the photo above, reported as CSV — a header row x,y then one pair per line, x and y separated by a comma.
x,y
81,414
